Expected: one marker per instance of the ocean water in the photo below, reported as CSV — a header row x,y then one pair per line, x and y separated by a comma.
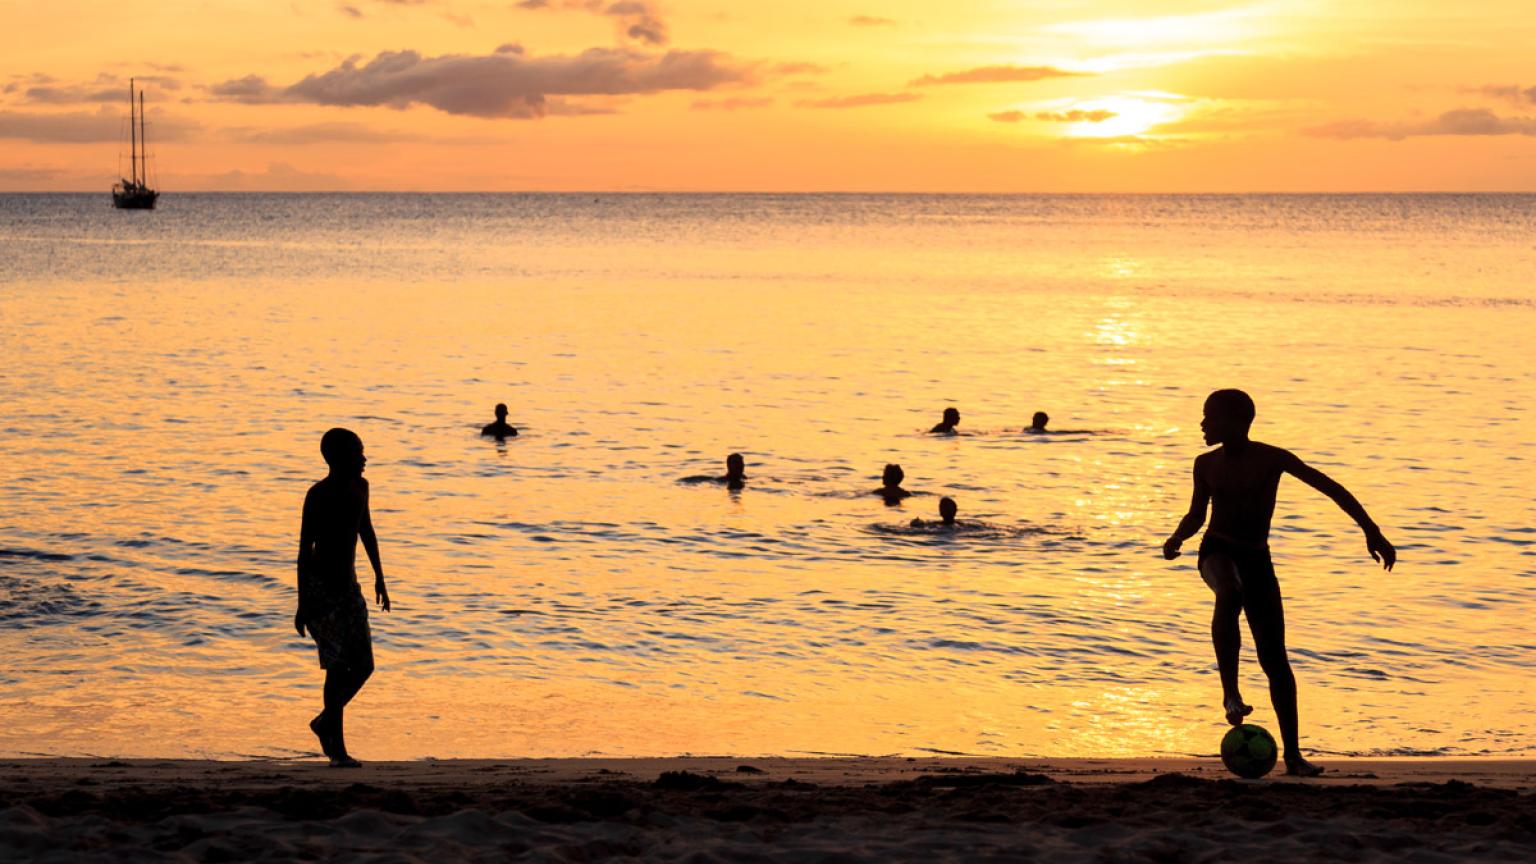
x,y
168,375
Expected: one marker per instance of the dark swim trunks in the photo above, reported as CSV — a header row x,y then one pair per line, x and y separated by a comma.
x,y
342,635
1255,571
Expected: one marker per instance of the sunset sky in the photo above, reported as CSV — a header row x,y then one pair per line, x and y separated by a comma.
x,y
794,95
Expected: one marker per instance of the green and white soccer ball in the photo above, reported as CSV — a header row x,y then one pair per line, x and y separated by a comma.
x,y
1249,751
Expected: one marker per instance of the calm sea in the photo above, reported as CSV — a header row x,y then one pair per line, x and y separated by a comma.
x,y
168,375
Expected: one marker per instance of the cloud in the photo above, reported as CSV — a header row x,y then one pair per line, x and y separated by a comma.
x,y
351,11
1076,115
251,90
1462,121
861,100
799,69
870,21
994,74
279,177
85,127
506,85
74,94
106,88
730,104
28,175
1508,92
637,19
316,133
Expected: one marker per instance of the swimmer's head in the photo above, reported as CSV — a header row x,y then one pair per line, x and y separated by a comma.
x,y
893,475
1039,420
1228,414
951,416
947,510
735,466
343,451
501,411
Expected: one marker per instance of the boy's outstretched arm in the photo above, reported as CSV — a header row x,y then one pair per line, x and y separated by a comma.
x,y
1375,543
371,546
306,550
1192,520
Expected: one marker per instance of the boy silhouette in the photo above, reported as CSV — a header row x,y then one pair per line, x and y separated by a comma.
x,y
331,605
1239,481
947,423
735,477
501,428
890,485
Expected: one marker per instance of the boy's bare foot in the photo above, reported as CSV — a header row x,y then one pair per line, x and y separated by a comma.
x,y
317,726
1236,710
342,760
1296,766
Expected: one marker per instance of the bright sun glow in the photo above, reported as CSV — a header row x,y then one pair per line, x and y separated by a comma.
x,y
1127,115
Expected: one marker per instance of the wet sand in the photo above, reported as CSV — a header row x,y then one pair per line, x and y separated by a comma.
x,y
740,809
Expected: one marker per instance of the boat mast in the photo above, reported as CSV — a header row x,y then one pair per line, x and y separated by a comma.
x,y
143,142
133,138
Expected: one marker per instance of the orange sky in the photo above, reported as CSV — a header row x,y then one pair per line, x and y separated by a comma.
x,y
948,95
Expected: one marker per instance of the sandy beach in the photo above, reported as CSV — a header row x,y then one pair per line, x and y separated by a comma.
x,y
773,809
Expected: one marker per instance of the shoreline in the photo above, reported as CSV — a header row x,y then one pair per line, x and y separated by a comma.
x,y
774,809
1493,772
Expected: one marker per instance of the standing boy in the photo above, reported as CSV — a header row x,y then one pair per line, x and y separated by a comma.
x,y
331,605
1239,480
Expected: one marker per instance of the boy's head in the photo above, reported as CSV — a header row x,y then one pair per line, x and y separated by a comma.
x,y
1228,414
501,411
951,416
343,451
735,466
1039,420
893,475
947,510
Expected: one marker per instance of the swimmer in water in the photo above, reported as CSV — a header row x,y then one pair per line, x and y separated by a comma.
x,y
501,428
948,424
890,488
947,511
1037,423
1238,482
735,472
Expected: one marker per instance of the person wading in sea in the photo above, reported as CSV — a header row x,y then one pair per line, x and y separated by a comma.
x,y
331,604
1239,480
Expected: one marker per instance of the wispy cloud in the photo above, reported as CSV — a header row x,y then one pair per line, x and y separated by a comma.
x,y
505,84
637,20
994,75
860,101
730,104
871,21
1462,121
105,88
1076,115
86,127
1507,92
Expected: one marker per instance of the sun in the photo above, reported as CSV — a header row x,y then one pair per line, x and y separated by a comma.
x,y
1125,116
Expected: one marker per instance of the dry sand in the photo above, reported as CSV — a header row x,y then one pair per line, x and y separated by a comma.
x,y
736,809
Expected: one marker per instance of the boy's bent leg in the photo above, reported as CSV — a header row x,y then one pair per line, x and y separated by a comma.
x,y
1220,574
1266,620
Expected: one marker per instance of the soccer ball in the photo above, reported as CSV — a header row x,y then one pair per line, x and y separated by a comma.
x,y
1248,751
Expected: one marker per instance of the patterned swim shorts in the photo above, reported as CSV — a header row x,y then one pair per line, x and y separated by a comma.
x,y
342,635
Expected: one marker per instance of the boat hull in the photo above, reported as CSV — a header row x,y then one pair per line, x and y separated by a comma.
x,y
136,200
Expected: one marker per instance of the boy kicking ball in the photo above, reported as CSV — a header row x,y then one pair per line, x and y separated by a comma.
x,y
1239,480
